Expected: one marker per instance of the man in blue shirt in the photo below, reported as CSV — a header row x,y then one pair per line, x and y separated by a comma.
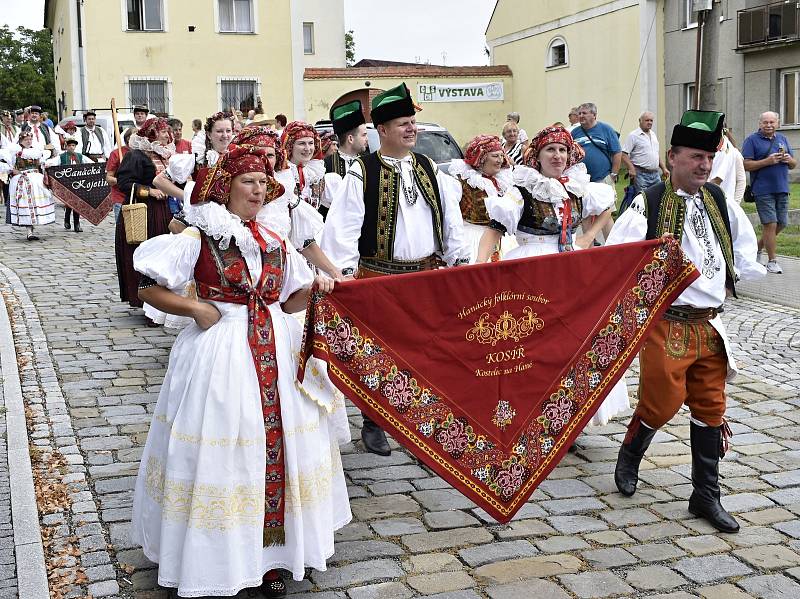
x,y
768,157
601,144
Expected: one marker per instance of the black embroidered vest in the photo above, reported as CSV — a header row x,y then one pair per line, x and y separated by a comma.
x,y
381,196
335,164
540,218
662,219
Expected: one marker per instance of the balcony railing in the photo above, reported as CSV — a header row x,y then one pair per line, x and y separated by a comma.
x,y
772,23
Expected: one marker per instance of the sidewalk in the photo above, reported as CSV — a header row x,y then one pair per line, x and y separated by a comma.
x,y
779,289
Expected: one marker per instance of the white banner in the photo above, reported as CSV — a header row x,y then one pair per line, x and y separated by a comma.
x,y
460,92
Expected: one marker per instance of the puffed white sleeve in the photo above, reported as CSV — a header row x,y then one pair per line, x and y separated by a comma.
x,y
455,251
333,185
296,273
306,227
745,244
169,259
506,210
180,167
598,198
342,228
632,225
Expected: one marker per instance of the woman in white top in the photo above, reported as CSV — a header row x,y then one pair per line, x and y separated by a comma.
x,y
513,147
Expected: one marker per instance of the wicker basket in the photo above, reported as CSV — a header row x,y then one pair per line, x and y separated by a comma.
x,y
134,217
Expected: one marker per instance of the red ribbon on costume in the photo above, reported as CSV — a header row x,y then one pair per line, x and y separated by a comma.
x,y
301,177
566,216
234,284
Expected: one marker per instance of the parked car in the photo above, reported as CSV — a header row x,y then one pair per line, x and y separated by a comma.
x,y
432,140
124,120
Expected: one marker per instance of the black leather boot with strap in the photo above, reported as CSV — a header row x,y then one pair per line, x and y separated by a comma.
x,y
374,438
637,440
707,448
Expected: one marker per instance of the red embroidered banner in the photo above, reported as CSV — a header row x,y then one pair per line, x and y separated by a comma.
x,y
487,373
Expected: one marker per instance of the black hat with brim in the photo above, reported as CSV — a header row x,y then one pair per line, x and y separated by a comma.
x,y
89,113
392,104
699,129
141,108
347,117
35,109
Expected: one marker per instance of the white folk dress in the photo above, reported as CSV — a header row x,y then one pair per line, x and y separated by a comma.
x,y
199,498
596,198
30,202
473,177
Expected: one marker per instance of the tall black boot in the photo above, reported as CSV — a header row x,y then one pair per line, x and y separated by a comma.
x,y
76,219
67,224
374,438
704,502
637,440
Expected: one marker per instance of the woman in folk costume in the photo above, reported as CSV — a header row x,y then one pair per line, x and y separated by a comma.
x,y
30,202
240,474
485,171
303,149
554,196
150,150
213,141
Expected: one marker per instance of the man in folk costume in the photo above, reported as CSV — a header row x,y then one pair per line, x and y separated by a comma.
x,y
95,142
396,213
351,129
687,358
43,137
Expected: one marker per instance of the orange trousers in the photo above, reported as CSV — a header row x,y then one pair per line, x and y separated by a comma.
x,y
682,363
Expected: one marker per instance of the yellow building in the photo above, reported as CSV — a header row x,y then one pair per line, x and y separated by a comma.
x,y
566,52
467,101
191,58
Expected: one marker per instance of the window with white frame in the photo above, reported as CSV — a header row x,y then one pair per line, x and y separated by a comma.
x,y
152,93
240,94
690,97
557,53
145,15
790,97
308,38
689,14
235,16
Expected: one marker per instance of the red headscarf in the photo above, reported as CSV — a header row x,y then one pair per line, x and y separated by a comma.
x,y
152,126
69,125
550,135
258,136
214,183
480,146
325,141
296,130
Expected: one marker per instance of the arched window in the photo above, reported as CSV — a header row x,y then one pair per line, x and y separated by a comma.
x,y
557,53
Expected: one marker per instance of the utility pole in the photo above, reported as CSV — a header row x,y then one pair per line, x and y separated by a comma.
x,y
706,80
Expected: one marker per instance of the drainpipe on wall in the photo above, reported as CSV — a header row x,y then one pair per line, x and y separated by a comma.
x,y
81,57
298,60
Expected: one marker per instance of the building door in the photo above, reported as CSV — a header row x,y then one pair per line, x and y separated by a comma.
x,y
364,95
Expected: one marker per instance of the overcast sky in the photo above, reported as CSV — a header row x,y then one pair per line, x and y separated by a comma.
x,y
447,32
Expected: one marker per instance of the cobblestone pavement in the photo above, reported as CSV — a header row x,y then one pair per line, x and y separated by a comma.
x,y
92,382
8,571
780,289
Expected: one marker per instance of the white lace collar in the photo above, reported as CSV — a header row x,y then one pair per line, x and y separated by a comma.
x,y
216,221
474,178
137,142
313,171
547,189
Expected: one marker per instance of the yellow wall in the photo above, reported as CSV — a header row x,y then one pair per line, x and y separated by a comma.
x,y
464,120
63,38
603,59
191,60
515,15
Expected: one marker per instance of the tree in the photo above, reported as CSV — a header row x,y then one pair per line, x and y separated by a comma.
x,y
349,49
26,69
